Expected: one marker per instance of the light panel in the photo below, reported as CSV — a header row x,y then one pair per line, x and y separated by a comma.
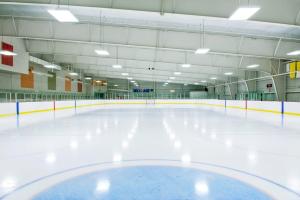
x,y
228,73
294,53
73,74
117,66
124,74
62,15
7,53
244,13
253,66
186,65
51,66
202,51
177,73
102,52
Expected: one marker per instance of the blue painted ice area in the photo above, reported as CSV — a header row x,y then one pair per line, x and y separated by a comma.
x,y
152,183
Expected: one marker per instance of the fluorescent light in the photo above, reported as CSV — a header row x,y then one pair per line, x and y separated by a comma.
x,y
129,78
8,53
102,52
51,66
185,84
202,51
117,66
177,73
63,15
186,65
98,81
244,13
253,66
132,81
204,81
73,74
116,85
196,83
213,78
166,83
88,78
294,53
172,91
124,74
172,78
228,73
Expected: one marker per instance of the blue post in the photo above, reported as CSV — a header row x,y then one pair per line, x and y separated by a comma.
x,y
18,107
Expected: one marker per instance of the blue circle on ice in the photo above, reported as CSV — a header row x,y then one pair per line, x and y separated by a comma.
x,y
152,183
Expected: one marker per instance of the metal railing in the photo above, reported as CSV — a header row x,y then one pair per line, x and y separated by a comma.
x,y
29,96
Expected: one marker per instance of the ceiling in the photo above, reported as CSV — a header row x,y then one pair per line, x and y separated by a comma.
x,y
159,33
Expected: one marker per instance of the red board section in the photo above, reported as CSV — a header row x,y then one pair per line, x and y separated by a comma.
x,y
7,60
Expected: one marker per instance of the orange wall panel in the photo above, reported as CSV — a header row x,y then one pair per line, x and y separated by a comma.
x,y
68,84
27,80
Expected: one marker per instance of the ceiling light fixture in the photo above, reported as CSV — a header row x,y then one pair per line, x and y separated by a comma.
x,y
228,73
51,66
196,83
116,85
88,78
253,66
73,74
294,53
102,52
62,15
244,13
117,66
129,78
204,81
186,65
172,78
213,78
8,53
177,73
124,74
202,51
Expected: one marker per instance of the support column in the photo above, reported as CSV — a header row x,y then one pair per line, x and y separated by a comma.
x,y
220,90
279,82
251,85
233,87
211,92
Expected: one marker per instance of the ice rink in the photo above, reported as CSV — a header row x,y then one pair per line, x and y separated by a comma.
x,y
38,151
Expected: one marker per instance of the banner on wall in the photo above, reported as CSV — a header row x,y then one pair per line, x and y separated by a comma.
x,y
18,63
27,80
68,84
7,59
294,69
51,81
79,85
